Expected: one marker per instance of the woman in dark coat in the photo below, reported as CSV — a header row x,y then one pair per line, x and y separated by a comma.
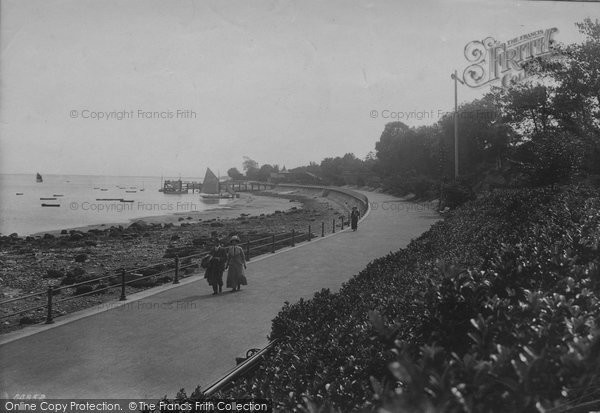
x,y
215,268
236,264
354,215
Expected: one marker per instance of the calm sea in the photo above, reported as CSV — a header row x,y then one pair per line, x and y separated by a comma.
x,y
79,206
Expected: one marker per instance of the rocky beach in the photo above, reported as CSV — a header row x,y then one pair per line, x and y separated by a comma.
x,y
32,264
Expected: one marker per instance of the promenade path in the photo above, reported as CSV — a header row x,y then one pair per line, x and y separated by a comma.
x,y
182,336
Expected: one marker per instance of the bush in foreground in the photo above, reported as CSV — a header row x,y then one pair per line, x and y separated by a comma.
x,y
494,309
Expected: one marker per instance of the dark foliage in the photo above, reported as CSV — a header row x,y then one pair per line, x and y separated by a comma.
x,y
494,309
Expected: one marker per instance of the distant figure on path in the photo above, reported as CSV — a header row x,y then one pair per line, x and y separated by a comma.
x,y
236,264
215,267
354,215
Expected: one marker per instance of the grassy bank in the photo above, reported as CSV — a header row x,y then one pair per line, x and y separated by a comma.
x,y
494,309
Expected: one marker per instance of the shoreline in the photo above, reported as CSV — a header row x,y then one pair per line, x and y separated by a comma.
x,y
246,204
32,264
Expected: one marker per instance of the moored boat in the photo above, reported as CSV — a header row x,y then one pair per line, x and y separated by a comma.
x,y
211,187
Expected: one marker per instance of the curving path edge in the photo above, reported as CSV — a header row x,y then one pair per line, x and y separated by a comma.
x,y
182,336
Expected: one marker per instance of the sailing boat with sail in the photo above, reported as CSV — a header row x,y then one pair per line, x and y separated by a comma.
x,y
38,177
211,187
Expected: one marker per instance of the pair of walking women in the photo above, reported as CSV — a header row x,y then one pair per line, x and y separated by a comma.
x,y
229,258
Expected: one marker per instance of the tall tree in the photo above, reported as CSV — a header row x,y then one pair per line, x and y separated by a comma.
x,y
250,167
233,173
264,173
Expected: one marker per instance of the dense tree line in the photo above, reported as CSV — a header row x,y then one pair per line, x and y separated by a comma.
x,y
543,130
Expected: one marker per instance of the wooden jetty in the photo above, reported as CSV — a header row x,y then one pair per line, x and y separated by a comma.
x,y
231,187
177,187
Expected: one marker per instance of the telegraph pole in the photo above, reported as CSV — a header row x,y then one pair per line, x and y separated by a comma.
x,y
456,80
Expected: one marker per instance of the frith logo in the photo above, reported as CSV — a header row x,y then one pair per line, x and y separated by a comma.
x,y
494,61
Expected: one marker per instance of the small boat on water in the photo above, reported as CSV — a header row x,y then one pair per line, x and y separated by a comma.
x,y
96,187
50,205
211,188
19,193
126,200
57,195
215,196
48,199
38,177
131,192
104,189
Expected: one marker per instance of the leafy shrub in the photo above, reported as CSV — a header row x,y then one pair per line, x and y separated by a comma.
x,y
456,194
552,158
394,185
495,309
421,186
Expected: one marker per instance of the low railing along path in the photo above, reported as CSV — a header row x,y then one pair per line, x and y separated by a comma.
x,y
155,343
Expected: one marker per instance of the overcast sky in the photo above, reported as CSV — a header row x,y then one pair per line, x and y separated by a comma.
x,y
283,82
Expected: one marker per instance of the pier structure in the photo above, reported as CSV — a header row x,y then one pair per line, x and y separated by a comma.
x,y
181,187
249,186
231,186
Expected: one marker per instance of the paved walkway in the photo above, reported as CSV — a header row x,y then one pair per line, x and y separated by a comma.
x,y
184,336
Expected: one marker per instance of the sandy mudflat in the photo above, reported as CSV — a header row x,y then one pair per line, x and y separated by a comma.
x,y
247,204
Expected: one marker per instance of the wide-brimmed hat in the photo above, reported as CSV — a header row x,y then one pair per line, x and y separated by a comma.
x,y
235,238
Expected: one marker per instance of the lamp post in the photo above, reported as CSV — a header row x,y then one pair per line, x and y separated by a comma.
x,y
456,79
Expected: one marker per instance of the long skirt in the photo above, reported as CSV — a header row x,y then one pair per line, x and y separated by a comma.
x,y
235,275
